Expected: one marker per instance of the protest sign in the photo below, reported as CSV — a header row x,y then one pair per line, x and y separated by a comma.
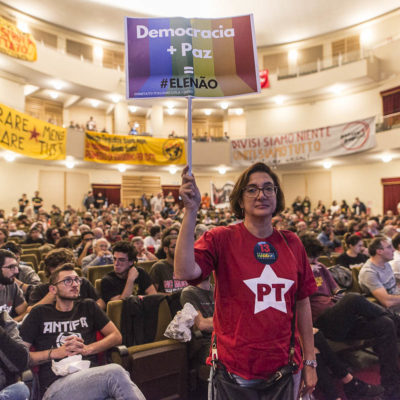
x,y
106,148
30,136
306,145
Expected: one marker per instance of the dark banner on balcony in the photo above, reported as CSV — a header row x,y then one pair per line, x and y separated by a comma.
x,y
310,144
190,57
16,43
119,149
31,137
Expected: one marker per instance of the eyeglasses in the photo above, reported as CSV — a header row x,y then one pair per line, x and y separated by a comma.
x,y
12,266
253,191
120,260
69,281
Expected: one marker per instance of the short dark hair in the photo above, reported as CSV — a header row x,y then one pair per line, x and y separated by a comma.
x,y
396,241
351,240
57,257
375,245
64,243
237,192
154,230
13,247
83,234
167,232
312,245
127,248
168,239
6,254
56,272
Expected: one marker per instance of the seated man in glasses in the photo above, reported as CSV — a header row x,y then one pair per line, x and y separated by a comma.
x,y
66,328
11,296
41,293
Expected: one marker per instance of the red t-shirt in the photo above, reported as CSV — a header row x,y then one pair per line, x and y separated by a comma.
x,y
256,280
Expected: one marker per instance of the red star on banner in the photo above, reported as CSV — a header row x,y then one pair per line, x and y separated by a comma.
x,y
34,134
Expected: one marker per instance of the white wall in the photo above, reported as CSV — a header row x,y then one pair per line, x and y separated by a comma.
x,y
12,94
336,110
81,115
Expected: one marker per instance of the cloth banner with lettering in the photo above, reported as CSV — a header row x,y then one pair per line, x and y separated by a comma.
x,y
106,148
190,57
306,145
16,43
30,136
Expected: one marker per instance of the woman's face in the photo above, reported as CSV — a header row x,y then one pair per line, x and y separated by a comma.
x,y
357,248
262,205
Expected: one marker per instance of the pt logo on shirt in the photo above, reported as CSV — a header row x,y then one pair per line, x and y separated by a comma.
x,y
269,290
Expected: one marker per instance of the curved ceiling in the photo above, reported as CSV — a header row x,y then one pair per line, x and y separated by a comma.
x,y
276,21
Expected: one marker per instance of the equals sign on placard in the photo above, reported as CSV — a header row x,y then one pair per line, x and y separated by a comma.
x,y
188,70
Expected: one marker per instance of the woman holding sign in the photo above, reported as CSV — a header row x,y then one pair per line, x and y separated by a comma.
x,y
263,279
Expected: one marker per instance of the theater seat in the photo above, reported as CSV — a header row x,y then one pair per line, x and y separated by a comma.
x,y
158,368
98,271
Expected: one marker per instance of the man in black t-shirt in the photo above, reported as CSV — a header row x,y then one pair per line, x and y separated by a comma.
x,y
37,202
126,279
68,328
162,272
41,294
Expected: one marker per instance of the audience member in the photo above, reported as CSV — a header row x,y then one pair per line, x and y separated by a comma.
x,y
14,359
37,202
11,296
354,255
68,327
162,272
142,253
327,237
127,278
376,276
101,256
395,263
153,242
23,202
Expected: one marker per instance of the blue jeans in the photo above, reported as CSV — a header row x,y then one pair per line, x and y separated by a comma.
x,y
17,391
99,383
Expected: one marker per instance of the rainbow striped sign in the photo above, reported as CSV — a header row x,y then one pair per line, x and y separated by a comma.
x,y
190,57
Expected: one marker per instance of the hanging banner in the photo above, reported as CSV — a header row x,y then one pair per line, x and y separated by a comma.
x,y
16,43
31,137
311,144
106,148
190,57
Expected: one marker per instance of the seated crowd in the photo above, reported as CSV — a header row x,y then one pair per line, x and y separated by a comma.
x,y
129,239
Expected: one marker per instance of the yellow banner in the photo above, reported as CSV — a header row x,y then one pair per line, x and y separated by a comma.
x,y
105,148
16,43
31,137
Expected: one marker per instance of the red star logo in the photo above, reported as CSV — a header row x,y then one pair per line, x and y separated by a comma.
x,y
34,134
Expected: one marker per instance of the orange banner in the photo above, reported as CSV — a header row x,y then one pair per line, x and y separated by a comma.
x,y
16,43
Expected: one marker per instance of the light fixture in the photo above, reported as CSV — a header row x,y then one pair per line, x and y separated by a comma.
x,y
172,169
327,164
336,89
9,156
121,168
98,52
29,89
279,100
366,37
222,170
239,111
207,111
22,26
171,111
169,104
95,103
224,105
386,158
58,85
53,95
115,98
136,125
132,109
293,55
70,162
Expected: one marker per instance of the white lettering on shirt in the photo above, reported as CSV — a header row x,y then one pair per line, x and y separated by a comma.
x,y
64,326
269,290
